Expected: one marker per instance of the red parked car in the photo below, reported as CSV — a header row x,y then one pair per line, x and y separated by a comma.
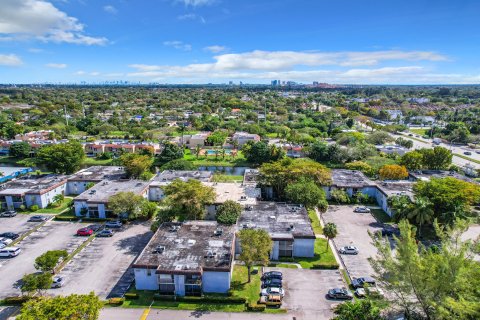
x,y
84,232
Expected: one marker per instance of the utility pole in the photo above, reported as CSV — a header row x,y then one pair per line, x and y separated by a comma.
x,y
66,117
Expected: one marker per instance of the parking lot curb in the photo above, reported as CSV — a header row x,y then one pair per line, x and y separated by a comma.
x,y
74,253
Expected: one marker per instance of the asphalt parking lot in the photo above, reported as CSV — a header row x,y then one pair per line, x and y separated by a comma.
x,y
18,224
51,236
352,230
103,266
305,292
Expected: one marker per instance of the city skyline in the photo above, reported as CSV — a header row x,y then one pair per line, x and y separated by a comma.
x,y
214,41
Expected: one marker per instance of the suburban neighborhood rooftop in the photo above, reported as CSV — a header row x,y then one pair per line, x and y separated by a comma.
x,y
396,188
246,195
281,221
342,178
189,248
33,184
102,191
428,174
98,173
168,176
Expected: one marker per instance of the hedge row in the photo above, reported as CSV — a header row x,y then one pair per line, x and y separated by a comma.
x,y
16,300
116,301
204,299
327,266
253,307
131,296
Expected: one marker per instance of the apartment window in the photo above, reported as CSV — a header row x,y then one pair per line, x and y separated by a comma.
x,y
193,285
285,249
93,212
166,284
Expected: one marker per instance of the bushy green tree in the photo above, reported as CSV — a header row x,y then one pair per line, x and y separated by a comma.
x,y
179,164
85,307
229,212
170,152
187,199
20,150
425,283
49,260
260,152
305,192
330,231
130,204
357,310
62,158
36,282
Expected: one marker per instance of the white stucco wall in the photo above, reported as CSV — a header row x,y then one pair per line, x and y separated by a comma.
x,y
274,253
304,248
216,282
78,205
76,187
144,281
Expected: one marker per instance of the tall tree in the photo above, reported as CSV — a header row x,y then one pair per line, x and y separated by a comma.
x,y
63,157
357,310
421,213
20,150
255,245
49,260
130,204
229,212
136,165
393,172
170,152
189,198
306,192
439,284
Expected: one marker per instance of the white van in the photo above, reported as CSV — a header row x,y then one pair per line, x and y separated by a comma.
x,y
10,252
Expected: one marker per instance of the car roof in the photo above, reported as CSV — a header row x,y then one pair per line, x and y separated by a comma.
x,y
367,279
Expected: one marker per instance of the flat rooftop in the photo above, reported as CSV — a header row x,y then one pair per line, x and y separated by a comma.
x,y
342,178
428,174
98,173
244,194
168,176
250,176
189,248
101,192
281,221
396,188
33,184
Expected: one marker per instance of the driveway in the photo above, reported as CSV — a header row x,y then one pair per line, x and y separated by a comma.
x,y
103,266
353,230
53,235
305,292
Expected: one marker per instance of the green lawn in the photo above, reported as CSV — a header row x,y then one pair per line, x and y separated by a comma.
x,y
240,286
97,162
466,158
420,132
381,216
56,210
323,259
239,160
283,265
317,227
227,178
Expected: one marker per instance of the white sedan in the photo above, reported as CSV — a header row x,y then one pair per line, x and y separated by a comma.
x,y
362,210
348,250
272,290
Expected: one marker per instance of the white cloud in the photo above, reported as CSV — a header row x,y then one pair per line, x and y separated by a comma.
x,y
35,50
333,67
178,45
196,3
10,60
110,9
80,73
56,65
22,19
192,16
215,49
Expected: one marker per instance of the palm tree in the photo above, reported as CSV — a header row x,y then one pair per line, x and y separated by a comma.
x,y
198,148
217,153
223,152
330,231
235,144
421,213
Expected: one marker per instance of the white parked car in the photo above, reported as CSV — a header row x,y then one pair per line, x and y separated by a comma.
x,y
348,250
371,291
10,252
362,210
273,291
6,241
57,282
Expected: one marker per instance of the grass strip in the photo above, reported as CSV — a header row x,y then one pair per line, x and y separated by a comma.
x,y
74,253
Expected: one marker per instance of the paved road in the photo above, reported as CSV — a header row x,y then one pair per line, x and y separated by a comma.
x,y
6,313
455,149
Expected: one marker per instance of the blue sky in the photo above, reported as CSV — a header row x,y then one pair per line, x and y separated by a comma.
x,y
202,41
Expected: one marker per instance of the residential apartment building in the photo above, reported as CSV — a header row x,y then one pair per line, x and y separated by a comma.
x,y
185,259
288,225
